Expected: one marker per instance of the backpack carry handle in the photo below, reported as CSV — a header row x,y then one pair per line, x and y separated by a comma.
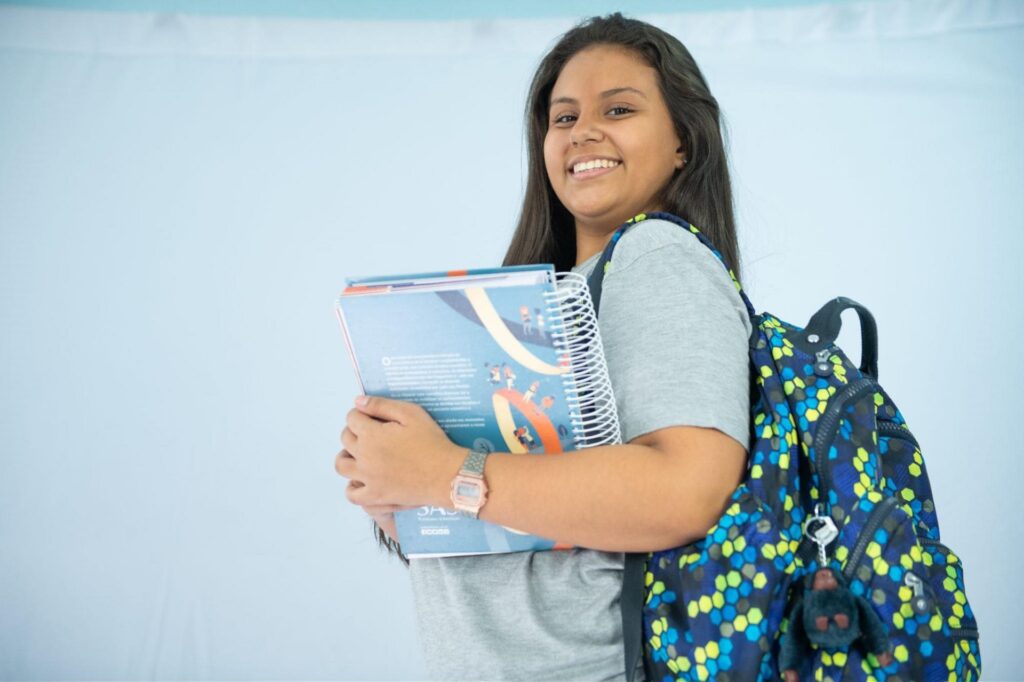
x,y
825,325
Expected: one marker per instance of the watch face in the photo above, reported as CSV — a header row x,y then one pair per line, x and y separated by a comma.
x,y
468,489
468,493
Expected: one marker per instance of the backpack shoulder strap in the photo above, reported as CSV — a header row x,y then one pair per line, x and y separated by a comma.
x,y
632,604
596,280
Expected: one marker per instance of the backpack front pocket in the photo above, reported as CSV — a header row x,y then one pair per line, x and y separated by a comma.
x,y
917,590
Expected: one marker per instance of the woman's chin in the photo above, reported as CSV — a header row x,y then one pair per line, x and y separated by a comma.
x,y
599,216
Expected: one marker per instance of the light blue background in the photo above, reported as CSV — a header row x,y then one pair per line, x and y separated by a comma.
x,y
184,187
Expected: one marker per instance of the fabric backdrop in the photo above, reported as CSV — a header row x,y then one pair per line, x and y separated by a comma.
x,y
183,192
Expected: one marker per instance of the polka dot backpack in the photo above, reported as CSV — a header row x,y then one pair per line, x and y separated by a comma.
x,y
827,563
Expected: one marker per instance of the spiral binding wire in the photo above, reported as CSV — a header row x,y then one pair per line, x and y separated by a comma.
x,y
588,387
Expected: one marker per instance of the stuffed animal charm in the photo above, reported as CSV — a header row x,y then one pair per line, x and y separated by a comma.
x,y
832,617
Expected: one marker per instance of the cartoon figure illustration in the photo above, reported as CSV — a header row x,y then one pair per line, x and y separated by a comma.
x,y
547,401
495,377
524,314
510,376
524,437
540,323
531,391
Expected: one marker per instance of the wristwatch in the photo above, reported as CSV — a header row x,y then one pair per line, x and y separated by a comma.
x,y
469,490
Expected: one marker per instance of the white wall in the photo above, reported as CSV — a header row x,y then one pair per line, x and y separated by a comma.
x,y
182,196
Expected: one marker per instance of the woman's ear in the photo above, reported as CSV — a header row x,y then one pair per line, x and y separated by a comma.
x,y
680,157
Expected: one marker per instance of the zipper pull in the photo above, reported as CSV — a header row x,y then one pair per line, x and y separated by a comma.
x,y
821,530
822,367
920,603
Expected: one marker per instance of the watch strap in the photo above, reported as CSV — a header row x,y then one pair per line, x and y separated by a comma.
x,y
473,465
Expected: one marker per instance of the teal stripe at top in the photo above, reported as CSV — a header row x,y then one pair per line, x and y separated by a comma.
x,y
412,9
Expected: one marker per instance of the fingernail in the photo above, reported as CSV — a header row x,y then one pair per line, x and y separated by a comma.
x,y
360,400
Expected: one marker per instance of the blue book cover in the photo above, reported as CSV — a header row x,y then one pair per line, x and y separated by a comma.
x,y
489,355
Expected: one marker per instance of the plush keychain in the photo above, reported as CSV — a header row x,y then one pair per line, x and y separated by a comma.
x,y
829,614
832,617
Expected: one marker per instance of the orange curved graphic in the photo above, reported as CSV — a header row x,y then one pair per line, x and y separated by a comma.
x,y
503,400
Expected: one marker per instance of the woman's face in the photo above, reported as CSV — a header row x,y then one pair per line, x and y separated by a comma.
x,y
611,147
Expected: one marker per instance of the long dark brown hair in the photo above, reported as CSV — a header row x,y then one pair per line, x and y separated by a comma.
x,y
700,192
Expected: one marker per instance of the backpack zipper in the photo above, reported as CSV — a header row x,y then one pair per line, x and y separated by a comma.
x,y
899,431
828,424
874,521
965,633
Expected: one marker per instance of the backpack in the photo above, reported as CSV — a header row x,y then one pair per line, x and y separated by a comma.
x,y
827,563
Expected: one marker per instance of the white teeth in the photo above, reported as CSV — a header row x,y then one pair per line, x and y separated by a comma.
x,y
597,163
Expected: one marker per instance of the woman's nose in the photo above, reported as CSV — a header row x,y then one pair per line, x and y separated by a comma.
x,y
585,130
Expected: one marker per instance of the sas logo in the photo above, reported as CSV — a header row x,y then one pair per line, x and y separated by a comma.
x,y
427,512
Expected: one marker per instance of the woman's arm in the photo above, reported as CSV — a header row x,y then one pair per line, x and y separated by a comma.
x,y
663,489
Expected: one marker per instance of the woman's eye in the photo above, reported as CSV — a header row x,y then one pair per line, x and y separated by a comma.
x,y
564,118
619,111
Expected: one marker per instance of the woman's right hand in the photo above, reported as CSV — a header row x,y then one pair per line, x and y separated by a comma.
x,y
383,515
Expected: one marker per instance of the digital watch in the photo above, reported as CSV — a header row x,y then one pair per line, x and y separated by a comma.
x,y
469,490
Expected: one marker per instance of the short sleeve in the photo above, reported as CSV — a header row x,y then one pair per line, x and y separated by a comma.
x,y
675,335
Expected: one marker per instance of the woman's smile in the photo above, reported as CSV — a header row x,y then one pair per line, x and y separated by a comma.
x,y
586,167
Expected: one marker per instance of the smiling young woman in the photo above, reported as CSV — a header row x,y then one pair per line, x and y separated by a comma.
x,y
619,121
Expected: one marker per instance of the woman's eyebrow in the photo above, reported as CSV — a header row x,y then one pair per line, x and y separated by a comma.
x,y
604,95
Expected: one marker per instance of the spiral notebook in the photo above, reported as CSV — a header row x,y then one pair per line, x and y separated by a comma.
x,y
508,359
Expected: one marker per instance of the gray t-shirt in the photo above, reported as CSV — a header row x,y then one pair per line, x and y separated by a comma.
x,y
675,333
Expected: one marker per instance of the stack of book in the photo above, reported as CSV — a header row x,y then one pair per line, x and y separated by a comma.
x,y
506,359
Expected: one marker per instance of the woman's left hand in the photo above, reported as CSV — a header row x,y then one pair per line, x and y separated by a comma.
x,y
396,456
